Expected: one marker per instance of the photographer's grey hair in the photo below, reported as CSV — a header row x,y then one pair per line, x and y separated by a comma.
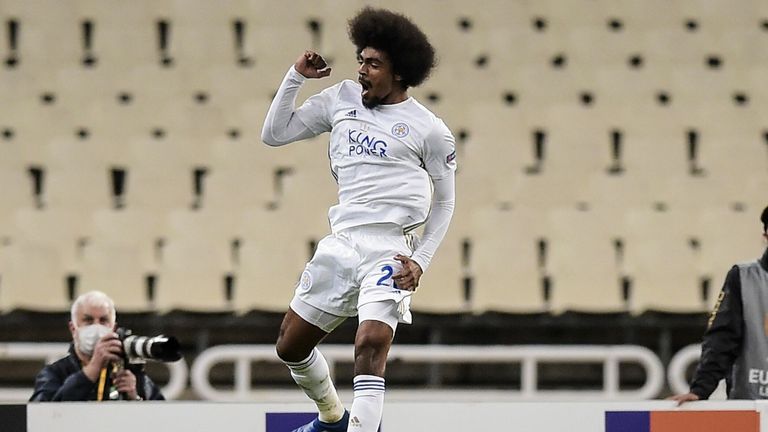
x,y
93,297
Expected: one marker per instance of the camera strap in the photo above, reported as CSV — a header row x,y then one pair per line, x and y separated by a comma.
x,y
102,383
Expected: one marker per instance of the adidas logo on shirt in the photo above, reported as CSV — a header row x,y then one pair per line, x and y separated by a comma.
x,y
351,114
355,422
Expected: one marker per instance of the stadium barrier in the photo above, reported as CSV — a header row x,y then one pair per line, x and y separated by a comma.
x,y
528,356
454,416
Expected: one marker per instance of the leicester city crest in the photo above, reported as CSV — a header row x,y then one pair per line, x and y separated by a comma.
x,y
400,130
306,280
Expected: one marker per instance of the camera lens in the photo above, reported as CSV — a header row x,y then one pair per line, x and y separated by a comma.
x,y
142,348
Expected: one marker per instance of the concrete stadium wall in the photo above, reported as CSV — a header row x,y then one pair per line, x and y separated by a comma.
x,y
454,416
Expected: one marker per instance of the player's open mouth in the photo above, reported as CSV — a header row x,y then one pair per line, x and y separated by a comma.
x,y
366,86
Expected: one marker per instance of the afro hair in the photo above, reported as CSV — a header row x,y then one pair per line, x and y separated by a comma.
x,y
764,219
407,47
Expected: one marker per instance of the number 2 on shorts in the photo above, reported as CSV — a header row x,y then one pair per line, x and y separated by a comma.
x,y
388,271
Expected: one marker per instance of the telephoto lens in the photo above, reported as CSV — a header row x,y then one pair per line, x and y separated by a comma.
x,y
139,349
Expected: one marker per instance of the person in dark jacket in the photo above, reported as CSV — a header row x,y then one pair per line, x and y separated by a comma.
x,y
92,370
735,343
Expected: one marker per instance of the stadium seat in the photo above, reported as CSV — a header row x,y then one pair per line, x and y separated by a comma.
x,y
225,83
272,257
211,223
35,278
490,163
38,35
203,35
308,193
154,88
727,237
656,149
64,232
121,255
17,194
43,252
194,118
87,188
193,275
118,269
31,143
232,190
660,261
144,229
13,148
583,262
242,152
578,143
571,152
197,260
505,261
627,191
733,142
161,176
116,43
442,288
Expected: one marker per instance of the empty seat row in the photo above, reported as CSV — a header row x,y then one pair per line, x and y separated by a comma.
x,y
515,261
589,261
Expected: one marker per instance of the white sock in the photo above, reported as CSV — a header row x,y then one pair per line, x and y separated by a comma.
x,y
313,376
368,405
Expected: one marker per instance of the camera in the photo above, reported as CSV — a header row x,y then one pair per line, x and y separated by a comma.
x,y
140,349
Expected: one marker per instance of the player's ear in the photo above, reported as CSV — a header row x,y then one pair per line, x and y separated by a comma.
x,y
399,81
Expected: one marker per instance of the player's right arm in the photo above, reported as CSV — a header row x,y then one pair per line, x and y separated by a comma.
x,y
284,123
722,341
312,65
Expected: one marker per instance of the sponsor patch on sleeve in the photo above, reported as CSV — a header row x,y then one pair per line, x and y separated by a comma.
x,y
450,157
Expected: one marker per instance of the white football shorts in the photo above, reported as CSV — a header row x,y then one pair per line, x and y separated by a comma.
x,y
351,274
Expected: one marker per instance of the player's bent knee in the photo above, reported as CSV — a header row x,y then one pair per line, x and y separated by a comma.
x,y
374,340
290,354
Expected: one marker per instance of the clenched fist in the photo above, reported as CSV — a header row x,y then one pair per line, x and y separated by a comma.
x,y
312,65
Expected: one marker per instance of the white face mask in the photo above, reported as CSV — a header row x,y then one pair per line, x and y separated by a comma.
x,y
88,336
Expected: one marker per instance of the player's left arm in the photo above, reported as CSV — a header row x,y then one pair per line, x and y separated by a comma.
x,y
440,163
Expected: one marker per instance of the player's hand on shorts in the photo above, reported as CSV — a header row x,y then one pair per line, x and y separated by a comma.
x,y
682,398
312,65
408,278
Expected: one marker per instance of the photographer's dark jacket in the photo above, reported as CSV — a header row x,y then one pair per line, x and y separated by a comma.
x,y
735,344
64,380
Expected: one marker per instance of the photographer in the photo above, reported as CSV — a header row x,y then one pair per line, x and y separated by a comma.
x,y
93,368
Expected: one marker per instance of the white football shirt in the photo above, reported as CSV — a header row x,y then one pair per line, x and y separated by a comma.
x,y
382,158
